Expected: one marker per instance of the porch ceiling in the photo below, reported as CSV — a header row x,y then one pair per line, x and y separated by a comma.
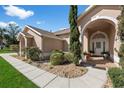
x,y
99,25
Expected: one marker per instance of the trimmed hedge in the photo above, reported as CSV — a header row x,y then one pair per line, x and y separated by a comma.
x,y
121,50
57,58
121,63
117,77
34,54
69,57
57,51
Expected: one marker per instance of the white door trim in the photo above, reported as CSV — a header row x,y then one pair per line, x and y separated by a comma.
x,y
106,40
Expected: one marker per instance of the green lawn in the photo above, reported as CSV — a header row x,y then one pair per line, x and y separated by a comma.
x,y
11,78
5,50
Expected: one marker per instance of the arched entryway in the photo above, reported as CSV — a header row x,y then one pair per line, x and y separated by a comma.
x,y
25,41
99,43
99,35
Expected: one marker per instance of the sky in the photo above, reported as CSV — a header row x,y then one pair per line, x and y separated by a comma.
x,y
47,17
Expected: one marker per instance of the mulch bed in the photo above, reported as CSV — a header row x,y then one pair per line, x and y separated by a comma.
x,y
65,70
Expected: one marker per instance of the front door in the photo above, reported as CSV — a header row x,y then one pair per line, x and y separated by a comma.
x,y
99,43
98,47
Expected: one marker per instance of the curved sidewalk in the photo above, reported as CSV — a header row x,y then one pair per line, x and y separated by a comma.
x,y
94,78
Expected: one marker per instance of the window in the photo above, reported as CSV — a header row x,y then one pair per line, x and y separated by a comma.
x,y
98,44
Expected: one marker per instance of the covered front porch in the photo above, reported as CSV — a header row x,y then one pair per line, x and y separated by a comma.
x,y
25,41
99,38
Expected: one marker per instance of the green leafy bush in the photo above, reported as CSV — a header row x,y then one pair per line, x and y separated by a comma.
x,y
121,50
57,58
121,59
117,77
69,57
57,51
121,63
34,53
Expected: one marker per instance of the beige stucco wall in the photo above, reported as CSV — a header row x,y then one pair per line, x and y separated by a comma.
x,y
100,10
50,44
37,38
46,44
67,40
65,37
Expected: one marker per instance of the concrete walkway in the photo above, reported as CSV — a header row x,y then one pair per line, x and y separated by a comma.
x,y
94,78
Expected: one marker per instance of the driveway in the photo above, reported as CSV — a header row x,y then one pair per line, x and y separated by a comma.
x,y
94,78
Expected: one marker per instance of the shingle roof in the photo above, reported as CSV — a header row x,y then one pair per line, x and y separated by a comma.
x,y
64,31
44,32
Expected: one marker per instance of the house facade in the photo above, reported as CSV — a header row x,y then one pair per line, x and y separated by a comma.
x,y
44,40
98,28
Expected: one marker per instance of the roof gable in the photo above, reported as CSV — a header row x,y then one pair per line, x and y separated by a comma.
x,y
42,32
92,8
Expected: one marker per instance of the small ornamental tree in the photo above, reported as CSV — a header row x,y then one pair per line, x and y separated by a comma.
x,y
121,29
74,34
121,24
121,34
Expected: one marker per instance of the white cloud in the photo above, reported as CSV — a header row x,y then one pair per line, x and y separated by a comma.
x,y
12,22
5,24
18,12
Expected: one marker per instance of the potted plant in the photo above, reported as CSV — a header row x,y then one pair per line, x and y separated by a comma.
x,y
106,54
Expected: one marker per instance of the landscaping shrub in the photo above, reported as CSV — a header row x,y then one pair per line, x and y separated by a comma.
x,y
117,77
57,58
57,51
121,59
121,63
69,57
121,50
34,54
